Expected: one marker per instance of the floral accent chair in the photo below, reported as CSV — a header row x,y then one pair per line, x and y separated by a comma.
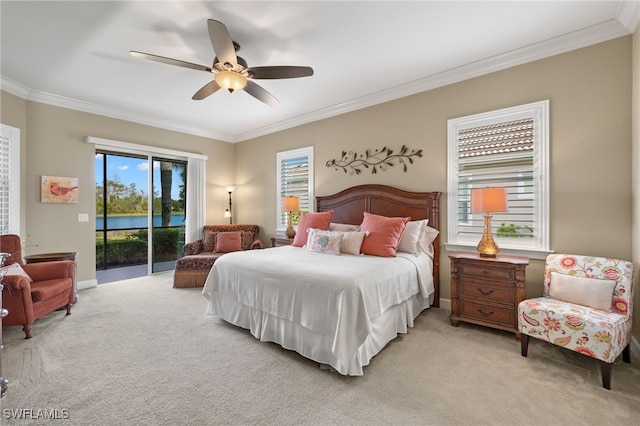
x,y
586,307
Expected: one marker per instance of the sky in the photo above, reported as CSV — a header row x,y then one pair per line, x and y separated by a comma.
x,y
132,170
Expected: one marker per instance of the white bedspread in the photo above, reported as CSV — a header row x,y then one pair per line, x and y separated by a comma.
x,y
336,296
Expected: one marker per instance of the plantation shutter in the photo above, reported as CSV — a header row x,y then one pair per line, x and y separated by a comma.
x,y
498,155
295,171
9,180
5,185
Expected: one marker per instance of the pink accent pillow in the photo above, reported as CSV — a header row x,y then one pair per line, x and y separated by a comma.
x,y
311,220
228,241
384,234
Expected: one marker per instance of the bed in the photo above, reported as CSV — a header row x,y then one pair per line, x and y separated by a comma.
x,y
338,310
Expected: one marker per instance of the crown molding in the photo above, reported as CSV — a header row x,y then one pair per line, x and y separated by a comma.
x,y
629,14
554,46
24,92
14,87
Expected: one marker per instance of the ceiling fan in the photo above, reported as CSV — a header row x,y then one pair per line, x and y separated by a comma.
x,y
230,71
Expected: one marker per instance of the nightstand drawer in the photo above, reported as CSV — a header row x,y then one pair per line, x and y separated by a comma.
x,y
486,272
477,289
489,313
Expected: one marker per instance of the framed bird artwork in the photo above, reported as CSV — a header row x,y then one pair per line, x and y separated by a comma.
x,y
58,189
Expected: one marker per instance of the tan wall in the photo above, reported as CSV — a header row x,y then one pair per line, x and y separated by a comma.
x,y
636,176
590,130
54,144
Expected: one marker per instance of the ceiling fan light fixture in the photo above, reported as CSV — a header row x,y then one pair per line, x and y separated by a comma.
x,y
230,80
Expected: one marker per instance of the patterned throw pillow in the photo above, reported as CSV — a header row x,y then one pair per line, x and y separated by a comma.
x,y
209,241
247,239
324,241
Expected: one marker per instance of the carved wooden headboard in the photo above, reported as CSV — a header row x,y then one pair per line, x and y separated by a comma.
x,y
350,204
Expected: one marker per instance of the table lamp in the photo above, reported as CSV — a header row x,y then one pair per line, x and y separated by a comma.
x,y
488,201
290,205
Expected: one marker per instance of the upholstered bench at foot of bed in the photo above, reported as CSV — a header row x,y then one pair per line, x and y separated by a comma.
x,y
192,271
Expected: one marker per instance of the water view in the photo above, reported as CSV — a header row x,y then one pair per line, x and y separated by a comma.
x,y
137,221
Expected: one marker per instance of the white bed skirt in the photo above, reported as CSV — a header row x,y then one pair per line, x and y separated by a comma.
x,y
315,346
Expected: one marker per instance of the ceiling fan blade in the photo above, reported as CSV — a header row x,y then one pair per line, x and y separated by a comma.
x,y
279,72
169,61
260,94
208,89
222,42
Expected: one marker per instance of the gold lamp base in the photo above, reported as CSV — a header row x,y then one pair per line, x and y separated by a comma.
x,y
290,232
487,247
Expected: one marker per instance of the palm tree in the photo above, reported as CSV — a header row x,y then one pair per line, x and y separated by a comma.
x,y
166,175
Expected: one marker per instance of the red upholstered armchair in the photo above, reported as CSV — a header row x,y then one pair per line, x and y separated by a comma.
x,y
45,287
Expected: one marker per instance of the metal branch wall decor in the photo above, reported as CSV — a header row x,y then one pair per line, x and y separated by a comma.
x,y
352,163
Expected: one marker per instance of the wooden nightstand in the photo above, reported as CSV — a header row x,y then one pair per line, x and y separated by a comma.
x,y
281,241
486,291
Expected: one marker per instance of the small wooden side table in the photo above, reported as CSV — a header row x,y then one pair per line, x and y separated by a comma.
x,y
281,241
53,257
487,291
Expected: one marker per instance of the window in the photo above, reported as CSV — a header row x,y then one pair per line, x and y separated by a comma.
x,y
295,179
9,180
506,148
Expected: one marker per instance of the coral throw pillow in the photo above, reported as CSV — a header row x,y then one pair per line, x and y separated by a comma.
x,y
384,234
311,220
228,241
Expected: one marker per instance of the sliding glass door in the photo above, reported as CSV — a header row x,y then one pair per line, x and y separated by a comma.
x,y
136,226
168,226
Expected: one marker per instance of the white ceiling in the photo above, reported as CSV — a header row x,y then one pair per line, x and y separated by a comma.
x,y
75,54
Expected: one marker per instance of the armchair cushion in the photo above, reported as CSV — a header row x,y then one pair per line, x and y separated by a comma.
x,y
49,289
592,332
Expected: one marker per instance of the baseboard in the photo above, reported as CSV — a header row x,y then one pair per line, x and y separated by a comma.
x,y
635,347
87,284
445,304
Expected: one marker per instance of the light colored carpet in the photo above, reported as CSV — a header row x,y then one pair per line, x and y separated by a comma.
x,y
139,352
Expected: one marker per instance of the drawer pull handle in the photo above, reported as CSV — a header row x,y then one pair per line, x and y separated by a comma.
x,y
486,314
485,292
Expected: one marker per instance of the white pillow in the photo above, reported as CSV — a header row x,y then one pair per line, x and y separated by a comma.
x,y
15,269
594,292
324,241
343,227
352,241
429,236
410,239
